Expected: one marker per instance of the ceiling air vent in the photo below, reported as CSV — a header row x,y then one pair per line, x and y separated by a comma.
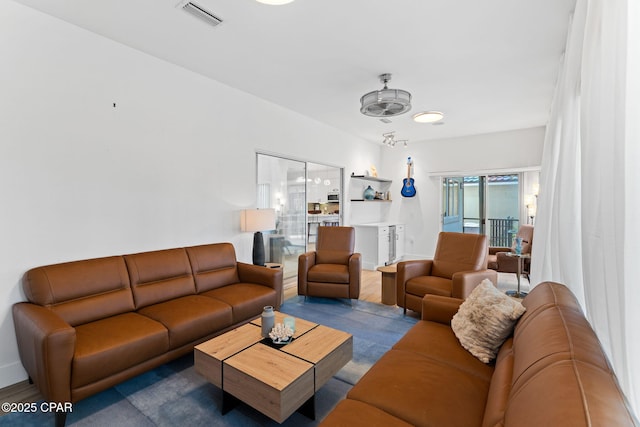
x,y
201,13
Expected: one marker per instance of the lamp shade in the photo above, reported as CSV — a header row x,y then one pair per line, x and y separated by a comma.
x,y
258,219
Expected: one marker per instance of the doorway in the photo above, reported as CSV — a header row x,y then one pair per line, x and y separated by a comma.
x,y
482,204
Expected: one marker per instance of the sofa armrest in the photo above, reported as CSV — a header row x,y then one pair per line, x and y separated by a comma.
x,y
464,282
408,270
305,262
355,268
46,344
269,277
436,308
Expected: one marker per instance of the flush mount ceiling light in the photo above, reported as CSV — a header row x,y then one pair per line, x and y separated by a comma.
x,y
385,102
274,2
390,140
428,117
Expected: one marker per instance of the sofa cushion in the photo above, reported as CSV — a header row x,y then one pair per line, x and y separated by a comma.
x,y
559,358
190,318
81,291
246,299
437,341
421,390
500,388
329,273
334,245
351,412
457,252
108,346
213,265
435,285
568,390
159,276
485,319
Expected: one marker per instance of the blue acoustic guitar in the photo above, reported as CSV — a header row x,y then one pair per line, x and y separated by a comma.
x,y
408,189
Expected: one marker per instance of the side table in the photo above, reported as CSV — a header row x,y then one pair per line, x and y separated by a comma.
x,y
520,257
388,284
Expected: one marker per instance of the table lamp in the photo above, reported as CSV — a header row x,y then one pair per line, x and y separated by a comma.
x,y
258,220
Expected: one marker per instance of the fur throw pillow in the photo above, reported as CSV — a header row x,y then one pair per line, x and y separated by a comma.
x,y
485,320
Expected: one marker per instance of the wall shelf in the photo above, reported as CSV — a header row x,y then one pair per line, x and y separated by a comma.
x,y
371,178
360,182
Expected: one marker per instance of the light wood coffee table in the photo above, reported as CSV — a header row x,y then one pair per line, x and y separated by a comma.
x,y
275,381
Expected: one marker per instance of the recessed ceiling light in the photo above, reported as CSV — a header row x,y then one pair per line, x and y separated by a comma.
x,y
428,116
275,2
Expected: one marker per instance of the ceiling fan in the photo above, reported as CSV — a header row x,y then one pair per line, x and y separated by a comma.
x,y
385,102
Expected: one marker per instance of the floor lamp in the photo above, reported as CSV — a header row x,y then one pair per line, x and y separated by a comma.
x,y
258,220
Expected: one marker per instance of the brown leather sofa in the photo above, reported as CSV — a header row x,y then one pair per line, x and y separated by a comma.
x,y
458,266
551,372
91,324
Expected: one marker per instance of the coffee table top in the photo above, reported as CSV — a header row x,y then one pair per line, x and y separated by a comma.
x,y
283,369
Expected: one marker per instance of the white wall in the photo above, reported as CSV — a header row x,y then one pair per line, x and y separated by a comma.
x,y
171,165
504,151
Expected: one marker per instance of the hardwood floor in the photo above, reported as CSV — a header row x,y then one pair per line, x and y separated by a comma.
x,y
22,392
370,286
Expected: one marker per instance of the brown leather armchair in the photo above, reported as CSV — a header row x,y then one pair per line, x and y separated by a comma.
x,y
499,260
333,269
458,266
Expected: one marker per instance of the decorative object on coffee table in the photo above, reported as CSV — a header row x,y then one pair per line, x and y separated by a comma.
x,y
268,320
281,334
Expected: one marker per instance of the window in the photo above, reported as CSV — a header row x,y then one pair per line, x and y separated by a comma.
x,y
484,204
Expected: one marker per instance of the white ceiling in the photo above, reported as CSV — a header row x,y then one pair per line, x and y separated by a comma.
x,y
488,65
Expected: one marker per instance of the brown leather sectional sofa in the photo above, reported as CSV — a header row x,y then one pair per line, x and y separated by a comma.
x,y
551,372
91,324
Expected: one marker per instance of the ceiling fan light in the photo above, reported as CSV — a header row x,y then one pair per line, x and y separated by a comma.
x,y
428,117
385,102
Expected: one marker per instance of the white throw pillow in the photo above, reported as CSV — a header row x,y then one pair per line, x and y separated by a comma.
x,y
485,319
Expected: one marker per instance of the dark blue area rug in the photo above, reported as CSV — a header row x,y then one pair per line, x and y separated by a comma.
x,y
174,394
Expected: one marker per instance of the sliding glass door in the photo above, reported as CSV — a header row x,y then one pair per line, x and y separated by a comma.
x,y
482,204
452,204
305,195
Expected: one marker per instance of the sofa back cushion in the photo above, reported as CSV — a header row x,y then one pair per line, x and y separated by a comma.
x,y
560,371
459,252
81,291
213,265
335,245
159,276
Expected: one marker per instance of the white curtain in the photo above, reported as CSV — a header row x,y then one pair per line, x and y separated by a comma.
x,y
587,233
